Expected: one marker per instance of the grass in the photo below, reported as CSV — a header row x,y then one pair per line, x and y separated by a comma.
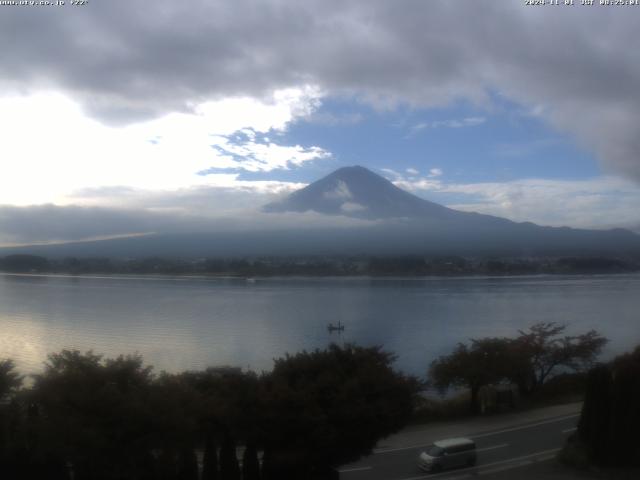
x,y
562,389
432,409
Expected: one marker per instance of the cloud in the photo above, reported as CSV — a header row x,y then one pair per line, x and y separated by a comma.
x,y
523,149
350,207
574,203
125,62
50,223
259,157
391,172
340,192
53,150
413,181
454,123
224,194
333,119
55,224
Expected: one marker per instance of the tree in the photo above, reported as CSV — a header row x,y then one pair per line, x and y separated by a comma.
x,y
231,402
174,409
528,360
624,446
95,413
328,407
12,424
24,263
485,361
187,464
596,412
229,468
547,351
210,459
10,380
250,463
610,417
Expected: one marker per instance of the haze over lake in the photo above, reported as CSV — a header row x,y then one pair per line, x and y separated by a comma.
x,y
190,323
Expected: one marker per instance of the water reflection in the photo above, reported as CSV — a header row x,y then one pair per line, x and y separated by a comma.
x,y
183,323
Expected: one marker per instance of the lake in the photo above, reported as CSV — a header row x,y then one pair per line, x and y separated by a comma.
x,y
191,323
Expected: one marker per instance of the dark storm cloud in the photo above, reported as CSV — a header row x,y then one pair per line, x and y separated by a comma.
x,y
576,67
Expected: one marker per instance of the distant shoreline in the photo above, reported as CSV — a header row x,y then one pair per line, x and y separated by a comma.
x,y
167,276
322,266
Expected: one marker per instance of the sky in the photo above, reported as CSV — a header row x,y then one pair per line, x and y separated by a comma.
x,y
126,117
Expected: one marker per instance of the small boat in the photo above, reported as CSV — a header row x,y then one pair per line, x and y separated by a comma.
x,y
335,328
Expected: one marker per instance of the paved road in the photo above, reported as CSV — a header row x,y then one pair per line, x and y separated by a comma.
x,y
499,449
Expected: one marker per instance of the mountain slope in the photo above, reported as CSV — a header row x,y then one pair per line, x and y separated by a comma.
x,y
404,224
387,238
419,224
358,192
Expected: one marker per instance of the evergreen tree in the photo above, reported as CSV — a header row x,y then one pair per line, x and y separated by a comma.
x,y
10,380
53,467
187,464
210,459
610,418
624,446
250,463
167,465
147,467
229,468
266,471
593,427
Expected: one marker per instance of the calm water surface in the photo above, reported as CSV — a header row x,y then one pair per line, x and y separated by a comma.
x,y
188,323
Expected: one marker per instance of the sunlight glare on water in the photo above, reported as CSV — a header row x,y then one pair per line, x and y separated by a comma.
x,y
191,323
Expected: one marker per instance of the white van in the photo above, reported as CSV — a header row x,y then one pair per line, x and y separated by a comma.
x,y
449,453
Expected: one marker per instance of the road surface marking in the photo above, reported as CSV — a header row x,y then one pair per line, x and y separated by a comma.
x,y
412,447
519,461
570,430
524,427
522,463
355,469
376,452
358,469
502,445
488,434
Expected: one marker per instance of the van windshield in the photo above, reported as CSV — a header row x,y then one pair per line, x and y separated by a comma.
x,y
434,451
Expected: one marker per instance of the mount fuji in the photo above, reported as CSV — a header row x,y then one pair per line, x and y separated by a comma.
x,y
387,221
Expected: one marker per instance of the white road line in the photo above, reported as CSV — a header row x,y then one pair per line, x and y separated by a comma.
x,y
355,469
519,461
358,469
570,430
522,463
502,445
389,450
524,427
482,435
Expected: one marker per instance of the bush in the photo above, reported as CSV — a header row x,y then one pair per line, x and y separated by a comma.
x,y
564,388
430,409
574,453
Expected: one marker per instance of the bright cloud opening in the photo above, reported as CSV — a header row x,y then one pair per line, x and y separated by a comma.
x,y
51,149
